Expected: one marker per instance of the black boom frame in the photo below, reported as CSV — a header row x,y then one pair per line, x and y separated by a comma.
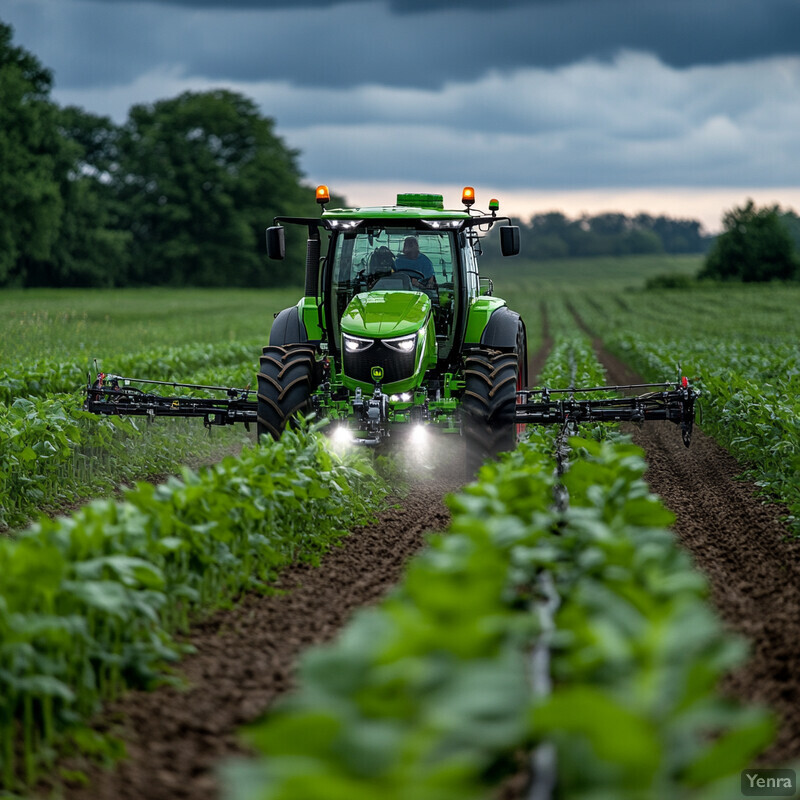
x,y
113,395
674,403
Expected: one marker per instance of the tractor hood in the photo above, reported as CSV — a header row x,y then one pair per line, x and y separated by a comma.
x,y
386,314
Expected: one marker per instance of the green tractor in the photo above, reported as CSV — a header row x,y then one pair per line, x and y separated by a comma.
x,y
397,335
396,339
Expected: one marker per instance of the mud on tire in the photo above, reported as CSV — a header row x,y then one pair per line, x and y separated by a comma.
x,y
489,400
286,379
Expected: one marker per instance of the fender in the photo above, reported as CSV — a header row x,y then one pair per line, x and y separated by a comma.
x,y
500,332
288,328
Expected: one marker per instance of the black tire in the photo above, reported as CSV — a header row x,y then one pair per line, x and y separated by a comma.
x,y
285,383
488,402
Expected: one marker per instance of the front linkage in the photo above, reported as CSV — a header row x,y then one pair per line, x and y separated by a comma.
x,y
675,402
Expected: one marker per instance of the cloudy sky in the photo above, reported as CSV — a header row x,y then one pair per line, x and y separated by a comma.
x,y
678,106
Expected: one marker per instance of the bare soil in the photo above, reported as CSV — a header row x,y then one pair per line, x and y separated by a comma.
x,y
246,656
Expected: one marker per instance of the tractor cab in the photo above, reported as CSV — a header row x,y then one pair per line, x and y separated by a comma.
x,y
415,246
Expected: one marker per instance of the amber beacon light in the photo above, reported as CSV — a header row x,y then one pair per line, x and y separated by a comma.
x,y
468,196
323,195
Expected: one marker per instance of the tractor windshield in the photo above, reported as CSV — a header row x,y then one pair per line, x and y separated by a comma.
x,y
397,259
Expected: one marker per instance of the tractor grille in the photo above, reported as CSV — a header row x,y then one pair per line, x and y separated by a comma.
x,y
396,366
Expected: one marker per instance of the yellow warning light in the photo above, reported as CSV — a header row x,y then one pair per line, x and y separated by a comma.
x,y
323,195
468,196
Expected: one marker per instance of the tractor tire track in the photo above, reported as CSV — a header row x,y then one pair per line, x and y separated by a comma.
x,y
245,658
748,555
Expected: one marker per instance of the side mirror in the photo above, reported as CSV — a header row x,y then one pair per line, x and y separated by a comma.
x,y
509,240
276,242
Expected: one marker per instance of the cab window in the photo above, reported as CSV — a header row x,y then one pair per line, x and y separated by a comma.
x,y
403,259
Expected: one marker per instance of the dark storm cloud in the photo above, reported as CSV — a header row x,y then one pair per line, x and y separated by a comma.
x,y
396,43
400,6
634,122
571,94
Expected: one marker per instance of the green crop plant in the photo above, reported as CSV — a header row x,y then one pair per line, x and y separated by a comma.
x,y
750,376
52,451
88,604
50,376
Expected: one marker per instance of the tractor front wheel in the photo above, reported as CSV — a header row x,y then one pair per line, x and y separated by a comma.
x,y
489,400
285,383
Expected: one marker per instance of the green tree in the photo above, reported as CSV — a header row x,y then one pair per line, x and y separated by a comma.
x,y
643,241
93,248
201,176
791,222
754,247
31,152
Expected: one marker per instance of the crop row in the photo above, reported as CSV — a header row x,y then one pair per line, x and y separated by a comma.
x,y
429,695
58,376
88,604
51,451
751,391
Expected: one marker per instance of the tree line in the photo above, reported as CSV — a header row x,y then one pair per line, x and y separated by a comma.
x,y
180,194
553,235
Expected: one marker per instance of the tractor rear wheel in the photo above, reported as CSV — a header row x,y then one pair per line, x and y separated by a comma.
x,y
285,383
489,400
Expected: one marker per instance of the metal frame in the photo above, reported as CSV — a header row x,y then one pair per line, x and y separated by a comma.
x,y
674,403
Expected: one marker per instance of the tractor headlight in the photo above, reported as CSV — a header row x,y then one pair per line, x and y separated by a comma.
x,y
341,437
419,436
353,344
403,344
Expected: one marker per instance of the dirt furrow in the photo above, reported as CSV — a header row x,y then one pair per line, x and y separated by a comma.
x,y
245,658
751,560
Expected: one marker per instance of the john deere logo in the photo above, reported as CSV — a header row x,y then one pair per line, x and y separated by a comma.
x,y
377,374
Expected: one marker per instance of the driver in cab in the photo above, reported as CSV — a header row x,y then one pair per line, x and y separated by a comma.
x,y
418,265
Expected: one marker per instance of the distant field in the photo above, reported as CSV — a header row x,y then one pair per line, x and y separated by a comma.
x,y
49,323
592,273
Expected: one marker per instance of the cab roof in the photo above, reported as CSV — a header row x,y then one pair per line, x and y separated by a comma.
x,y
397,212
408,206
